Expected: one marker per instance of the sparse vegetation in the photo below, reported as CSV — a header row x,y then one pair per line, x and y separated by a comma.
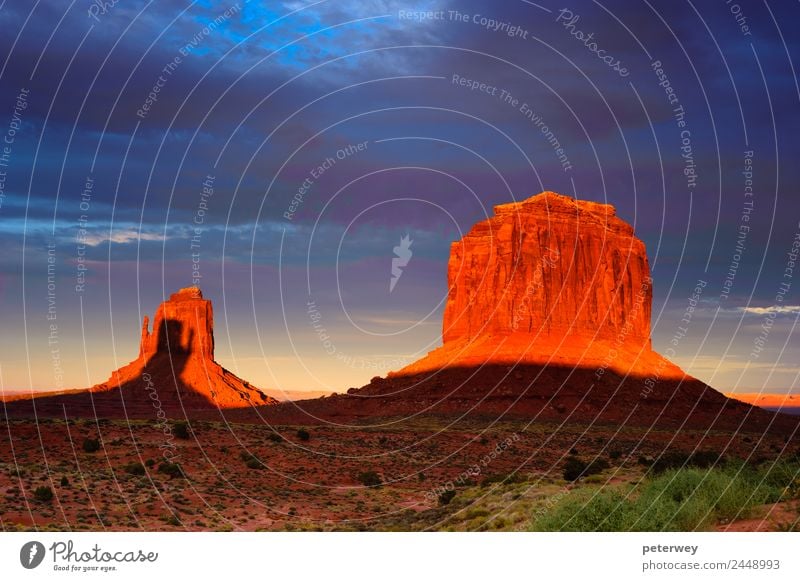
x,y
303,435
510,494
683,499
91,445
370,478
675,460
171,469
575,468
446,496
43,494
251,461
181,430
134,468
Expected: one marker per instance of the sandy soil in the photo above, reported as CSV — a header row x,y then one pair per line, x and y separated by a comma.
x,y
259,477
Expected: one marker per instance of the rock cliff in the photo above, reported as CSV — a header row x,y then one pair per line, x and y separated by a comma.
x,y
176,361
549,280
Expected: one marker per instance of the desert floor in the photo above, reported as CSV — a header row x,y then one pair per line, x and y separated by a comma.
x,y
384,477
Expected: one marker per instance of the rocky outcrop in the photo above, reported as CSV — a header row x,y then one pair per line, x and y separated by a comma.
x,y
176,361
193,320
549,280
551,266
174,375
547,319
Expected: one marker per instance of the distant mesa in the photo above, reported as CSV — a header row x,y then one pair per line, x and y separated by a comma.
x,y
179,352
788,403
174,372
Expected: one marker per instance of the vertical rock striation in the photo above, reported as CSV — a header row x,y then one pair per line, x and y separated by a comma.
x,y
549,279
176,361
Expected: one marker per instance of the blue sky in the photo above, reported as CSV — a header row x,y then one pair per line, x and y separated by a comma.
x,y
268,91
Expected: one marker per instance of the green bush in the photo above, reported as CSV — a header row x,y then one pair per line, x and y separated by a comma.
x,y
64,481
676,460
446,496
686,499
275,437
370,478
91,445
575,468
303,435
43,494
171,469
135,468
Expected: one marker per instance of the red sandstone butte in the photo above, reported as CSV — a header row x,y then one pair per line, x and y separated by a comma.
x,y
549,280
179,353
175,372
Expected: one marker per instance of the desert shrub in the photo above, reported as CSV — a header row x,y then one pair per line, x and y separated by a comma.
x,y
575,468
251,461
370,478
446,496
64,481
670,461
598,465
685,499
586,509
615,454
706,459
676,460
43,494
135,468
181,430
171,469
91,445
303,435
781,478
476,513
275,437
150,462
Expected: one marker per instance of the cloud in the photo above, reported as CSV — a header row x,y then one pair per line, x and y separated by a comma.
x,y
777,310
123,236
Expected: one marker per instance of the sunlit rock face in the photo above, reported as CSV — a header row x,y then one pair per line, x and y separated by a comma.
x,y
549,279
176,361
